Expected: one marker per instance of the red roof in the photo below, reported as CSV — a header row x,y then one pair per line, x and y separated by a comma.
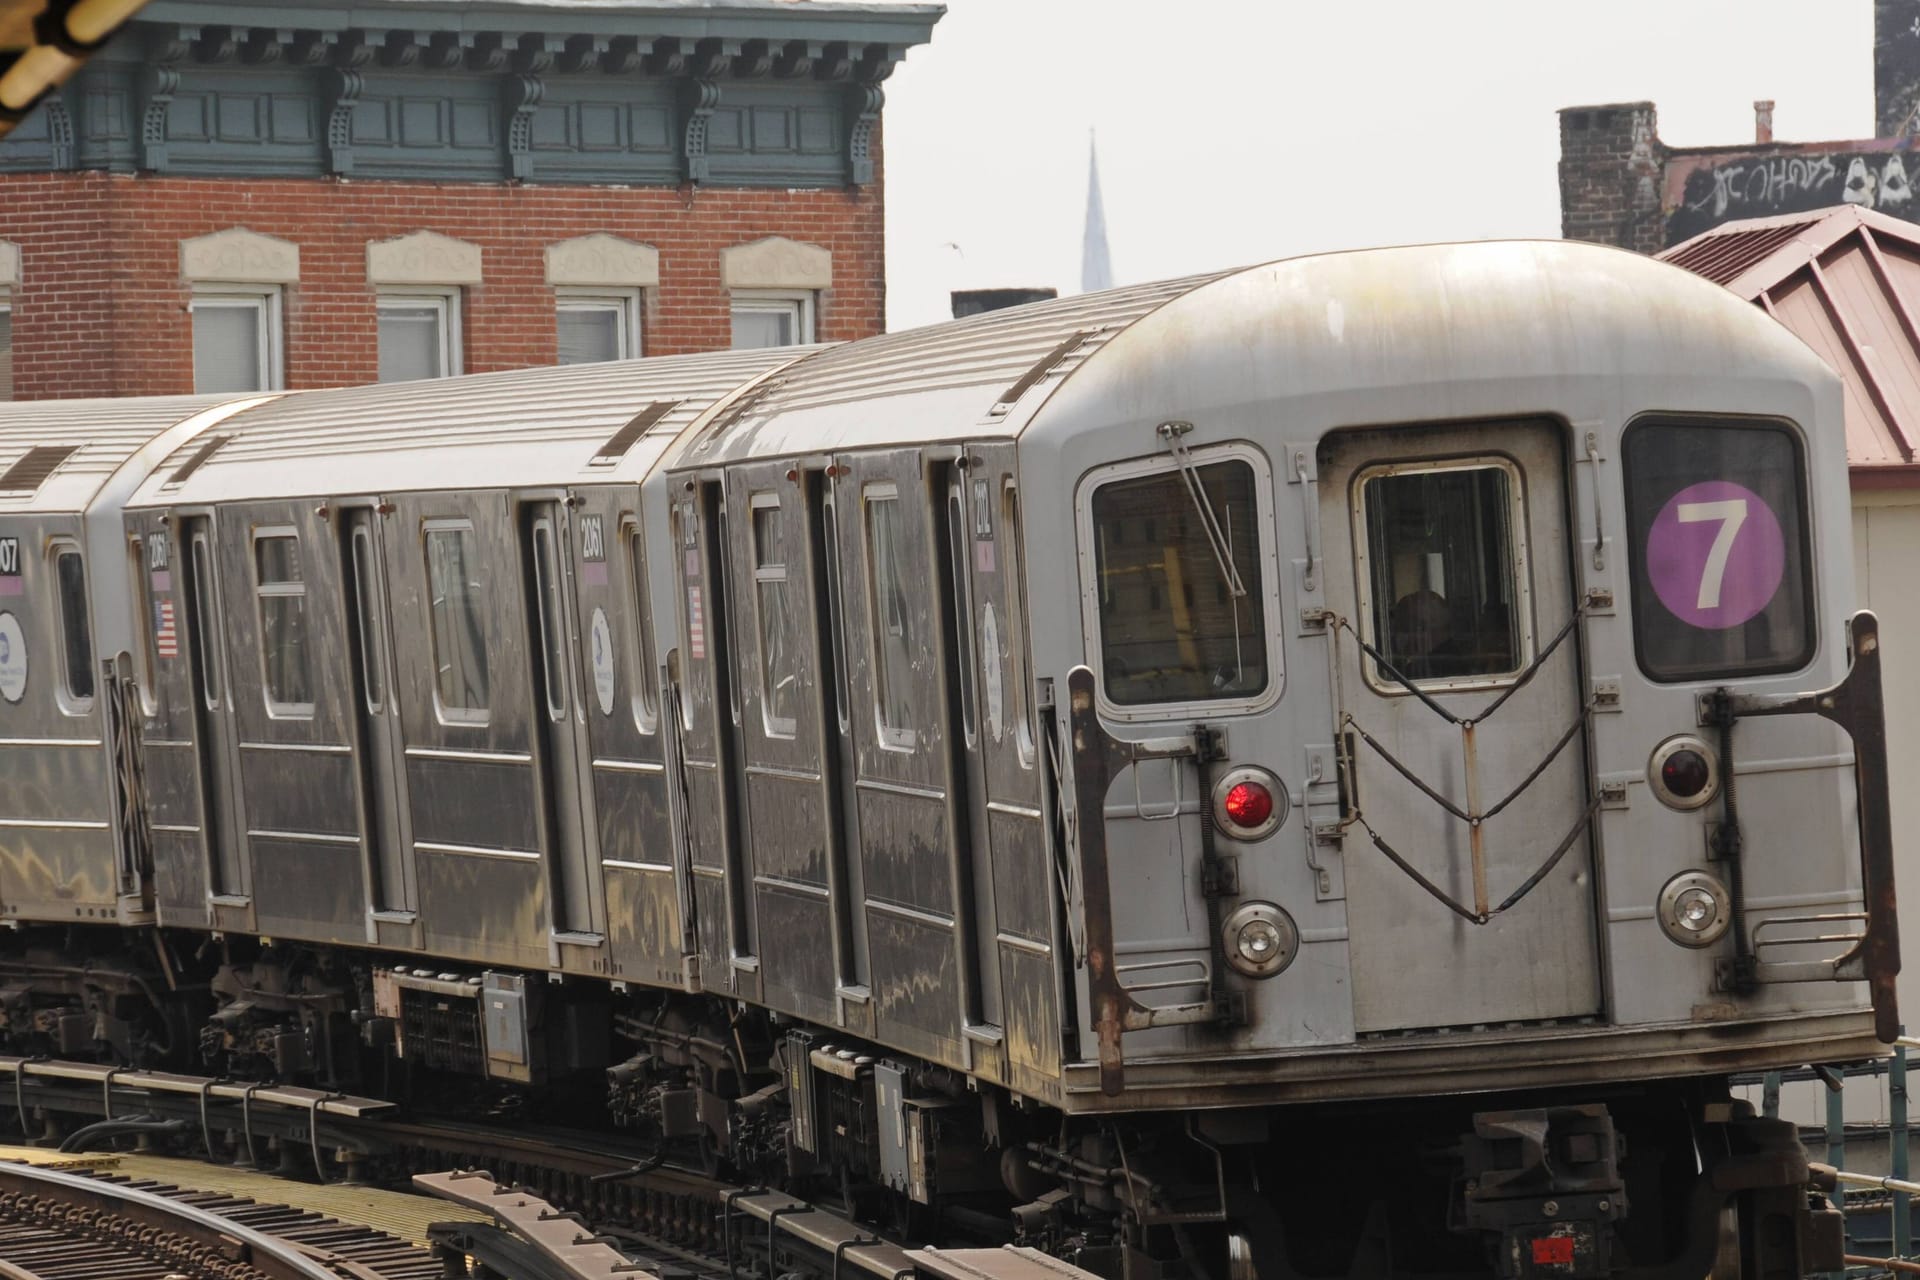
x,y
1847,281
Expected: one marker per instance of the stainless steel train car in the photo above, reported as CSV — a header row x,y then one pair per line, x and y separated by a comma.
x,y
1314,770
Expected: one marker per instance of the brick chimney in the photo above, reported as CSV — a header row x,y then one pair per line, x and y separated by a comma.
x,y
1763,120
1610,166
1896,67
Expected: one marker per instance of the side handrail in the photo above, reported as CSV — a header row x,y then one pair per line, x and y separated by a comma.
x,y
1857,704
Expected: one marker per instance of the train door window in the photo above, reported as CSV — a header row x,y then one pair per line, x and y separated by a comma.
x,y
546,588
205,636
1717,530
693,622
1171,628
836,608
146,624
1443,563
367,620
1020,664
779,673
457,617
76,638
645,707
964,658
280,592
889,576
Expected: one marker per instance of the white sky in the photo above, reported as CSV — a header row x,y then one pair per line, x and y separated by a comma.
x,y
1237,131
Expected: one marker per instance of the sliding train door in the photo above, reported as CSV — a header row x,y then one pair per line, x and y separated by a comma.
x,y
1465,719
216,740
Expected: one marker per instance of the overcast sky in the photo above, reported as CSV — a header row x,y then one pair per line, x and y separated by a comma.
x,y
1237,131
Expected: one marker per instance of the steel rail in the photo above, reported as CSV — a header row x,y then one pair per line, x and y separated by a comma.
x,y
276,1258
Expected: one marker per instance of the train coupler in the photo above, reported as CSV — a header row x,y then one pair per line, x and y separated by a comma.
x,y
1544,1187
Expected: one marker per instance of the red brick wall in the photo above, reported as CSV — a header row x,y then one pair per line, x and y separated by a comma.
x,y
102,310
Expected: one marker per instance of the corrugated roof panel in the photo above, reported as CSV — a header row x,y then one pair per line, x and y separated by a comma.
x,y
1797,304
104,432
1722,256
399,436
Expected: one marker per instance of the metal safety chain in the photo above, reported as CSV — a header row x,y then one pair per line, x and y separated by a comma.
x,y
1483,911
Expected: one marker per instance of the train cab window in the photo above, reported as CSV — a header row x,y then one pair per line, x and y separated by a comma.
x,y
889,578
1444,569
779,672
457,612
1171,628
646,708
76,638
280,591
1717,531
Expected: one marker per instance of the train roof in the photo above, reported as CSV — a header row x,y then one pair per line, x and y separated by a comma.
x,y
579,424
1427,316
56,455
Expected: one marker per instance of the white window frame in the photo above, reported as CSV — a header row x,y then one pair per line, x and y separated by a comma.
x,y
6,308
1269,558
630,339
265,300
449,302
798,303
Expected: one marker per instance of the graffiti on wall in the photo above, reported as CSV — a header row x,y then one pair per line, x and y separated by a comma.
x,y
1723,188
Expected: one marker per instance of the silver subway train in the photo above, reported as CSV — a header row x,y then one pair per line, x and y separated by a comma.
x,y
1316,770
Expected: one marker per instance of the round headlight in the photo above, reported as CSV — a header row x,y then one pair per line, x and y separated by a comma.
x,y
1248,803
1261,939
1684,772
1695,909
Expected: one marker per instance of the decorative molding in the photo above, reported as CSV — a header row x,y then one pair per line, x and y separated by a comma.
x,y
535,53
446,50
353,48
214,44
306,49
796,59
625,56
399,49
754,61
9,265
239,256
264,46
698,98
523,98
486,51
776,262
863,113
59,130
603,260
425,257
158,83
668,58
714,57
347,88
583,53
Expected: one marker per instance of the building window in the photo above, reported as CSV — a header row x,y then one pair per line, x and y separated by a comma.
x,y
456,614
280,589
592,327
6,345
236,341
419,335
771,319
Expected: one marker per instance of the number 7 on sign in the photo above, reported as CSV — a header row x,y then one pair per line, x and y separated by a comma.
x,y
1731,514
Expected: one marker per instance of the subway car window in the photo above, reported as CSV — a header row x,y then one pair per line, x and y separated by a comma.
x,y
546,587
76,638
1171,629
1444,570
1016,634
373,649
779,674
1717,531
645,705
146,623
457,614
205,636
281,591
893,640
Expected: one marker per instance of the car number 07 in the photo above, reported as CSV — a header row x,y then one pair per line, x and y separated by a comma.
x,y
1731,514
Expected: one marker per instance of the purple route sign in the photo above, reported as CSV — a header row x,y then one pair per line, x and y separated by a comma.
x,y
1716,554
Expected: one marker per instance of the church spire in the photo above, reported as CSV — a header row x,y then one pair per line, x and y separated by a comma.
x,y
1096,266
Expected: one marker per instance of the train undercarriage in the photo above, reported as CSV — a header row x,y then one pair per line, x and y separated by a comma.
x,y
1669,1178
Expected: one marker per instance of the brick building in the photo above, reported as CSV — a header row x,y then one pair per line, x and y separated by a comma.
x,y
1619,184
217,205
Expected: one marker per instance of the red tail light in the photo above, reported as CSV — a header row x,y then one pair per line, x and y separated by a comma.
x,y
1248,804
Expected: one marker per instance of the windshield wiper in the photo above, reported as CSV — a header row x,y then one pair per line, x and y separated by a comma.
x,y
1175,433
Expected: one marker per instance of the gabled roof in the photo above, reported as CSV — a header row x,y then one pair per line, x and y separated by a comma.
x,y
1846,281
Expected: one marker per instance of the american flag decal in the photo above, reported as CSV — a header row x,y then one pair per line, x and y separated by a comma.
x,y
166,640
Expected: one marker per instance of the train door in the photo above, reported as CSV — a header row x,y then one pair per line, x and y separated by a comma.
x,y
215,734
1462,593
851,956
560,719
787,790
1011,836
709,698
382,745
910,800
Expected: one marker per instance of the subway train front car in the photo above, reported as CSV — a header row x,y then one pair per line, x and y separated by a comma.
x,y
1315,771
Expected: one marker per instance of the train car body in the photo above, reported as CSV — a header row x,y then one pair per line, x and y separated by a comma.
x,y
1070,761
